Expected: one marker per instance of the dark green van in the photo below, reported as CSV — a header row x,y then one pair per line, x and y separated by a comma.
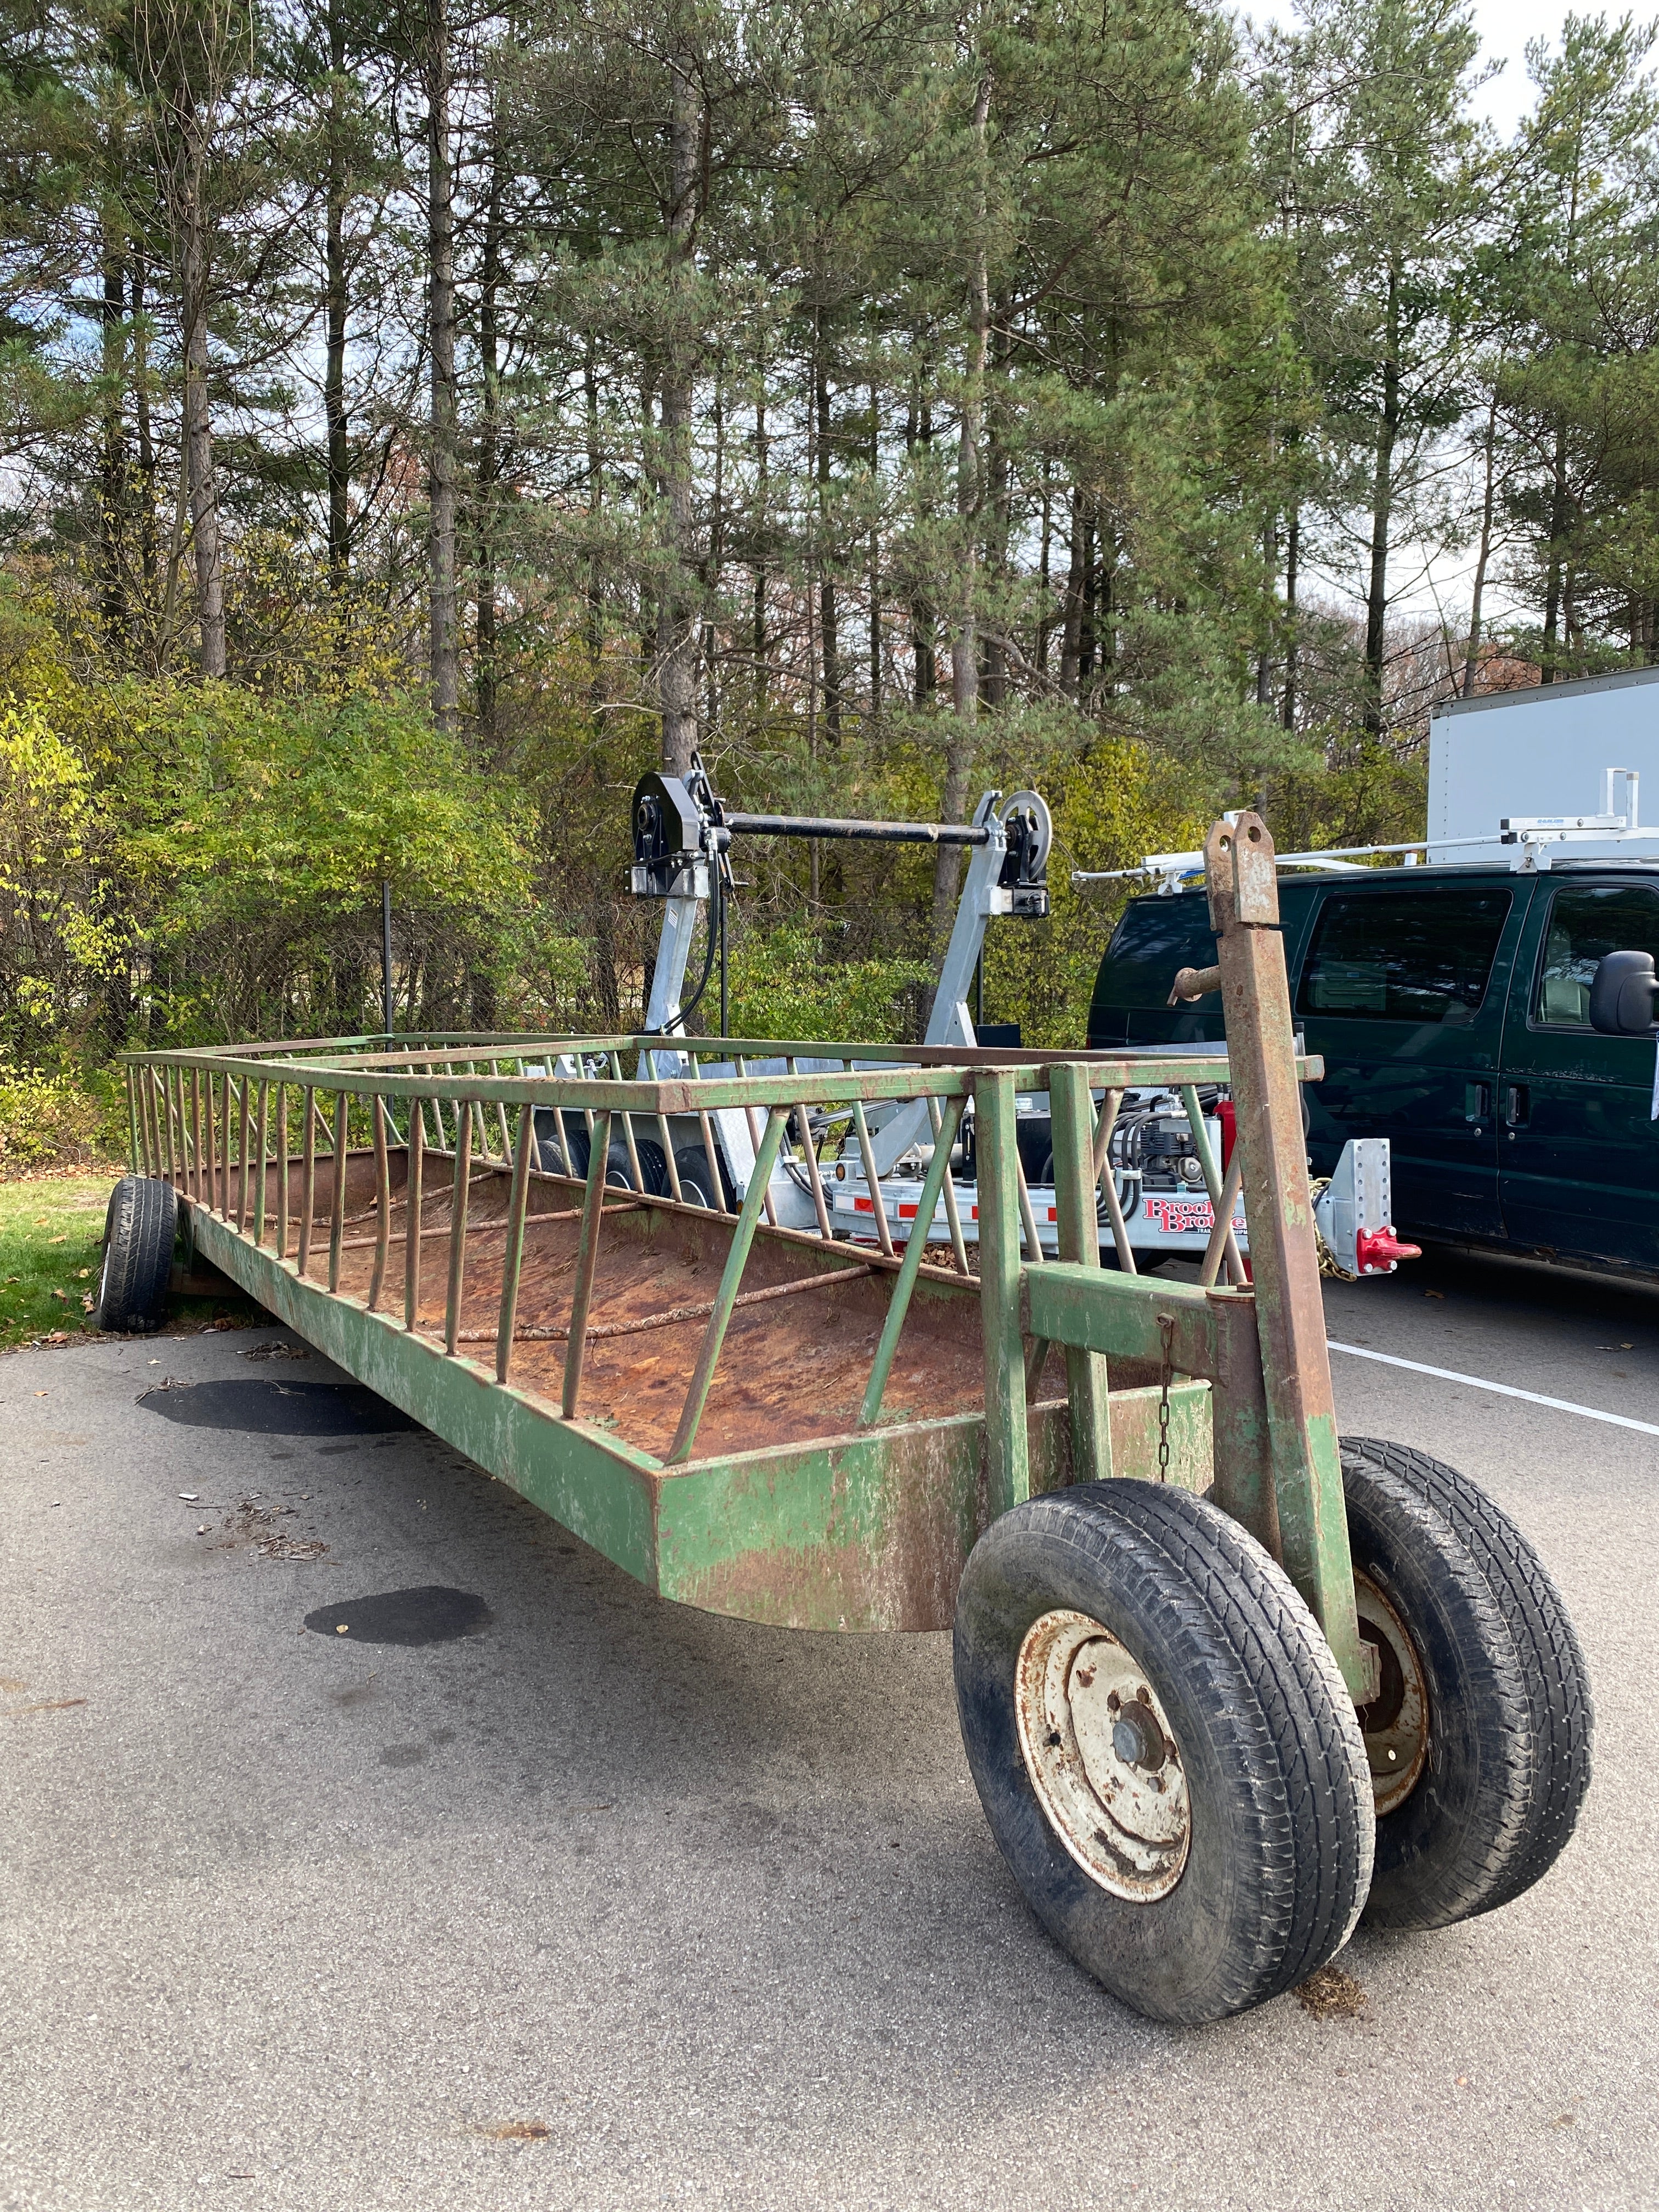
x,y
1451,1005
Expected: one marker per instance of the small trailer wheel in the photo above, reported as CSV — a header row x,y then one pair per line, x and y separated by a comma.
x,y
1164,1747
139,1229
1478,1740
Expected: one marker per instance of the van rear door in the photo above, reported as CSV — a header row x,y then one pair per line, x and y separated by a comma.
x,y
1578,1148
1402,989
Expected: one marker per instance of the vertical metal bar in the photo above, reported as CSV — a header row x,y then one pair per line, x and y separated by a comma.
x,y
412,1202
898,1305
507,1135
711,1153
1221,1240
170,1152
1103,1156
514,1258
1078,1235
209,1142
635,1173
1241,1444
259,1146
337,1211
754,1140
307,1176
135,1151
877,1205
952,1213
152,1148
281,1171
743,1237
809,1153
196,1134
587,1261
1007,1442
382,1206
227,1153
145,1098
674,1191
1223,1224
244,1106
1244,892
172,1084
1028,1221
457,1226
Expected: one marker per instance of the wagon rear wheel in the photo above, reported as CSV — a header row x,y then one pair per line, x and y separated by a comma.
x,y
139,1229
1478,1740
1164,1747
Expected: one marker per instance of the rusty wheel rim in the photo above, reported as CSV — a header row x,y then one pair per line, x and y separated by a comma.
x,y
1395,1723
1101,1757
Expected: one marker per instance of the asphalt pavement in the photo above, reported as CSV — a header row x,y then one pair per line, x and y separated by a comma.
x,y
590,1900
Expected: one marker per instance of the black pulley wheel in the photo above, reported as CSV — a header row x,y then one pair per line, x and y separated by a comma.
x,y
1164,1747
1478,1740
139,1230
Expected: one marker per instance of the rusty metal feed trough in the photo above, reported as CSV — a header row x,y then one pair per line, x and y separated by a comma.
x,y
1208,1659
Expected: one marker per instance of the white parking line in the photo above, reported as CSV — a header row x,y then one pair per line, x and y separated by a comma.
x,y
1500,1389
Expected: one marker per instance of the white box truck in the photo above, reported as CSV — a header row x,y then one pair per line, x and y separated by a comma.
x,y
1568,755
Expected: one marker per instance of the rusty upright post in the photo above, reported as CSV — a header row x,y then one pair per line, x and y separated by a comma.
x,y
1301,1408
1008,1441
1079,1238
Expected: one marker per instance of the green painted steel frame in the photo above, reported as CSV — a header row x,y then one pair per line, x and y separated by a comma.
x,y
861,1532
866,1530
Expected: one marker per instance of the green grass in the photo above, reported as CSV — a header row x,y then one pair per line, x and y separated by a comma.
x,y
51,1232
51,1228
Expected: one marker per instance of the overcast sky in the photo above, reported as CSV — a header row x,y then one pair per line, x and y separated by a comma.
x,y
1505,26
1442,582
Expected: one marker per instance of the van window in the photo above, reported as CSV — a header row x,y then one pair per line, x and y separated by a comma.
x,y
1404,956
1587,921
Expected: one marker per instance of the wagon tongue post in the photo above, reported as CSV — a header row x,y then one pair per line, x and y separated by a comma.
x,y
1301,1408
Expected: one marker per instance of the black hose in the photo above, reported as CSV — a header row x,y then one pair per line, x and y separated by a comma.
x,y
716,939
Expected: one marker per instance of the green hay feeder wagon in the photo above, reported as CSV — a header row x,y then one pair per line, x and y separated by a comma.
x,y
1226,1680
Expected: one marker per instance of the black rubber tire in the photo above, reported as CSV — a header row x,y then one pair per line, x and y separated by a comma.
x,y
570,1156
1510,1718
139,1232
1280,1854
697,1184
654,1166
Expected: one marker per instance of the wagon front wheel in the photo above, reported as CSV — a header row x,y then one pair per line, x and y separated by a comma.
x,y
1163,1744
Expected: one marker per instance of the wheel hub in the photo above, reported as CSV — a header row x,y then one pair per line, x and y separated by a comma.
x,y
1395,1723
1101,1757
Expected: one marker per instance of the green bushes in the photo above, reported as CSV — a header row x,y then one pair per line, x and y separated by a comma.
x,y
56,1122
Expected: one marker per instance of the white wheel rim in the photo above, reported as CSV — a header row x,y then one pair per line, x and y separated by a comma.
x,y
1395,1724
1102,1758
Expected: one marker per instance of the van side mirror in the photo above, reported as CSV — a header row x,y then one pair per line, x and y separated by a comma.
x,y
1622,994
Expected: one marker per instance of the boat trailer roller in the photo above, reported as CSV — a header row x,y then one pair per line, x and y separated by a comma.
x,y
1225,1680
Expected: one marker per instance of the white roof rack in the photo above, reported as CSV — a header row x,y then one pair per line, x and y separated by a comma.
x,y
1527,841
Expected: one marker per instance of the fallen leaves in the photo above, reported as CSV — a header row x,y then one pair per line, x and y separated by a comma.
x,y
1331,1994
